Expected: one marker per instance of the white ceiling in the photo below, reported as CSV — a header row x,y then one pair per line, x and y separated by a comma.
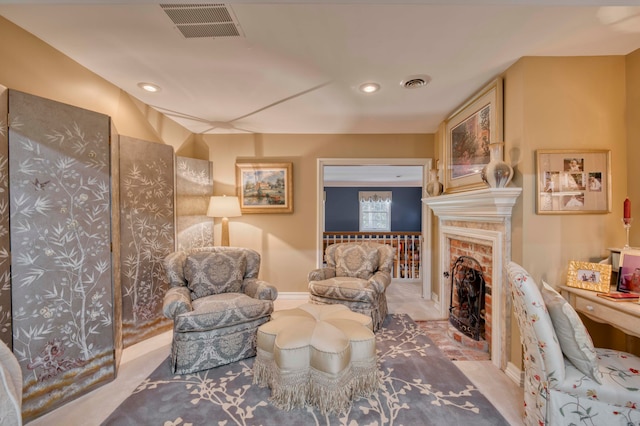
x,y
297,64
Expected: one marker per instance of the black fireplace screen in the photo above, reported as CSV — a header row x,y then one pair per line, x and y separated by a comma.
x,y
466,308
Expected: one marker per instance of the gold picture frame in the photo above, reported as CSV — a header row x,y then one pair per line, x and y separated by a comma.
x,y
589,276
573,181
468,133
265,187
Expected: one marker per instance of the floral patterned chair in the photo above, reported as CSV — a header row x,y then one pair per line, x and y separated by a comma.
x,y
357,275
567,380
217,304
10,388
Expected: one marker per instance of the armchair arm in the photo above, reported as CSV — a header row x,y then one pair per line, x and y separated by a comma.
x,y
380,281
322,274
176,301
259,289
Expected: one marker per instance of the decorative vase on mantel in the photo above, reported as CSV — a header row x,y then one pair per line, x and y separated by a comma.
x,y
434,187
497,173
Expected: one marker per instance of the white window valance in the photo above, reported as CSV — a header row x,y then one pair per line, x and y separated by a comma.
x,y
375,196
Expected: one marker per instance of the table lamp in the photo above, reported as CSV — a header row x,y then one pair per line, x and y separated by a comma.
x,y
224,207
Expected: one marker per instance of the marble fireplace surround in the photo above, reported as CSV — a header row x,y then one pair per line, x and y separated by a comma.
x,y
479,216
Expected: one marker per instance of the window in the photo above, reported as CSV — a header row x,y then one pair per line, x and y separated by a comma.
x,y
375,211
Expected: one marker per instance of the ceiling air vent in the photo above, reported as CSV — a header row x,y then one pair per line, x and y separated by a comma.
x,y
203,20
415,81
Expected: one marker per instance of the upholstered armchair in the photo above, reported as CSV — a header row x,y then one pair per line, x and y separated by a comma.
x,y
567,380
356,275
217,304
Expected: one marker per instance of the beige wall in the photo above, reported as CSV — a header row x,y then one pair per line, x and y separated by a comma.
x,y
632,119
564,103
32,66
568,103
288,242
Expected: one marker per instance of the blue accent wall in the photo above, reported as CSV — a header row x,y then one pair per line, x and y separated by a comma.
x,y
342,210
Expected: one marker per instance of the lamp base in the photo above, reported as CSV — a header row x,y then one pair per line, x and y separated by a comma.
x,y
225,232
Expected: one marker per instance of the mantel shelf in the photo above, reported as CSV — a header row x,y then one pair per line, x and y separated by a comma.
x,y
489,203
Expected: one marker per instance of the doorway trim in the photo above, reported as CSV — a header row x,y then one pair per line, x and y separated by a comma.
x,y
426,164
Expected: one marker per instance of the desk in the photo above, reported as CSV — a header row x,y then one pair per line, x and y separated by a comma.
x,y
622,315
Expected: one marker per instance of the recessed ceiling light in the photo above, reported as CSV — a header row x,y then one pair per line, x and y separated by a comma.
x,y
369,87
149,87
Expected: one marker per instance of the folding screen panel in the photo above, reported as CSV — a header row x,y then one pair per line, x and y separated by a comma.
x,y
60,250
115,243
147,235
5,271
193,188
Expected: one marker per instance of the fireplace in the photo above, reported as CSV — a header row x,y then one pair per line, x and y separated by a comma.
x,y
466,306
477,224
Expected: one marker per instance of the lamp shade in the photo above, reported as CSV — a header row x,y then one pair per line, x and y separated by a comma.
x,y
223,206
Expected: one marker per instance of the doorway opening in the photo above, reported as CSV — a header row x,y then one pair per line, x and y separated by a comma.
x,y
377,172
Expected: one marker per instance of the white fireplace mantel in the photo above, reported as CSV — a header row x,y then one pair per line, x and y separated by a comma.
x,y
489,203
480,215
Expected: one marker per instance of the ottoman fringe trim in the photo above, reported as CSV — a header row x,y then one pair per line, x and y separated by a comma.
x,y
330,393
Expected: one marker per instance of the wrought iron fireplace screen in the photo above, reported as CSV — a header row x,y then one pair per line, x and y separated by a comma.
x,y
466,307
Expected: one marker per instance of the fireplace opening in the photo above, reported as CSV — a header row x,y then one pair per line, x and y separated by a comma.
x,y
466,308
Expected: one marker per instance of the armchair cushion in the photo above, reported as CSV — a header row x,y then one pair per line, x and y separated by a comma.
x,y
209,273
620,380
222,311
574,339
356,261
344,288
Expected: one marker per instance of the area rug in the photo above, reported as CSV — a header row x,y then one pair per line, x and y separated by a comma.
x,y
418,386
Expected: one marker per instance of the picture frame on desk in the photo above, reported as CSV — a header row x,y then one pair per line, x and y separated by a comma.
x,y
629,271
589,276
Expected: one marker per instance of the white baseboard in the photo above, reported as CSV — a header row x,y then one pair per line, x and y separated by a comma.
x,y
293,295
515,374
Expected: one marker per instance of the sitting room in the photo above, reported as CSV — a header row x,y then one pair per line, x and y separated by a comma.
x,y
319,213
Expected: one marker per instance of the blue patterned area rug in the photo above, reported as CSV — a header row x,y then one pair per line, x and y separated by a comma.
x,y
419,386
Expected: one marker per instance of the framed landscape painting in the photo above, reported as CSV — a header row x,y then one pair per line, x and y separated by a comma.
x,y
469,131
265,187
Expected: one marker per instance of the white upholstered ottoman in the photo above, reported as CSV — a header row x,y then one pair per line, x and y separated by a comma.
x,y
320,355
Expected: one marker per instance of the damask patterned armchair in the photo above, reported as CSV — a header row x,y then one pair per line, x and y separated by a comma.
x,y
568,381
357,275
217,304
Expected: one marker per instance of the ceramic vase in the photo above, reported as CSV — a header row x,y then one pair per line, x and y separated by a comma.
x,y
497,173
434,187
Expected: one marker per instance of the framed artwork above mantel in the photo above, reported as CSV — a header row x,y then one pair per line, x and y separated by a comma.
x,y
468,133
